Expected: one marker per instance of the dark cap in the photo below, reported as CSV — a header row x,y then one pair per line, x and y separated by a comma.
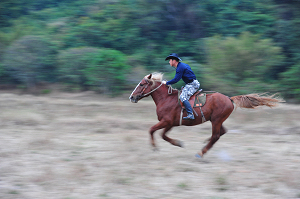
x,y
173,56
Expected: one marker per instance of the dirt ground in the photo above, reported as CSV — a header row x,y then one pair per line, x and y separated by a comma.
x,y
86,146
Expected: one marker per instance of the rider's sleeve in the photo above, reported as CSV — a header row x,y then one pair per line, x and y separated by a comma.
x,y
178,76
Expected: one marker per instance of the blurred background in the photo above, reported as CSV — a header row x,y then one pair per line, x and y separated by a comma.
x,y
234,46
68,130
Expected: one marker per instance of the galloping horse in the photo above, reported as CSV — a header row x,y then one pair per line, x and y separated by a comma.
x,y
217,109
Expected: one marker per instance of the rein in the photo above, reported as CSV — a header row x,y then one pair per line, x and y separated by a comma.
x,y
143,95
170,90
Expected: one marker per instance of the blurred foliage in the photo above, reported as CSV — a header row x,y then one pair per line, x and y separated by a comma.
x,y
234,46
29,60
243,61
91,68
290,82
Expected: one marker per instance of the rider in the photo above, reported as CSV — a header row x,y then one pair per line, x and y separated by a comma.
x,y
184,72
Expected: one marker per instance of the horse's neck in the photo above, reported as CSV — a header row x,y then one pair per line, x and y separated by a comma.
x,y
160,95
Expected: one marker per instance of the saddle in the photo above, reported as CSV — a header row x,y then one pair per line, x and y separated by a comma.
x,y
196,100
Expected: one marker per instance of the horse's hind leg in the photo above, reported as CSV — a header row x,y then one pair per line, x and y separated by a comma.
x,y
216,133
223,110
223,130
170,140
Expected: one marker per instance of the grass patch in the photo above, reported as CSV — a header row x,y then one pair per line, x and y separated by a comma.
x,y
67,160
46,91
22,117
13,192
222,183
187,169
183,185
123,181
104,195
102,130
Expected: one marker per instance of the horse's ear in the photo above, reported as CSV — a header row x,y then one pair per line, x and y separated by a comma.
x,y
149,77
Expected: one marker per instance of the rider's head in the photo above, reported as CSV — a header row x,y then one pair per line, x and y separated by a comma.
x,y
173,59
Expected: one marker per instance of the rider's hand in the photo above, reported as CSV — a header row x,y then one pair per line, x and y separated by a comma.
x,y
164,82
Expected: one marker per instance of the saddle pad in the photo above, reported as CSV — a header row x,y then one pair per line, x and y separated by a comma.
x,y
200,100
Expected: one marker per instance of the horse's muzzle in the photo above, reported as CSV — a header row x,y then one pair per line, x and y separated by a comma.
x,y
134,99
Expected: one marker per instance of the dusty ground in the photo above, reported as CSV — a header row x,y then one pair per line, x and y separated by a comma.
x,y
78,146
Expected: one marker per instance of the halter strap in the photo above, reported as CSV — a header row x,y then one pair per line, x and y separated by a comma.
x,y
143,95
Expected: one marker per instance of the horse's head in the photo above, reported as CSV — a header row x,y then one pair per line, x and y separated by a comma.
x,y
142,89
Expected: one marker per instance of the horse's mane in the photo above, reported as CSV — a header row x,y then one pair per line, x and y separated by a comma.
x,y
157,77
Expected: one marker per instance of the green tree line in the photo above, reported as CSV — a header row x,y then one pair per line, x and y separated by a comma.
x,y
234,46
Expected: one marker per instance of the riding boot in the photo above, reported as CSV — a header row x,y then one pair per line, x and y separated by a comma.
x,y
189,110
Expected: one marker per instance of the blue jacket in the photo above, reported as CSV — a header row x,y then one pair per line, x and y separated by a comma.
x,y
184,72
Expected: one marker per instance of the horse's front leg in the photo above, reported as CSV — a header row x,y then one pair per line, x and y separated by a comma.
x,y
159,125
172,141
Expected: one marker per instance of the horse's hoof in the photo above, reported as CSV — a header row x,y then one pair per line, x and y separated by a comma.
x,y
198,155
180,144
155,149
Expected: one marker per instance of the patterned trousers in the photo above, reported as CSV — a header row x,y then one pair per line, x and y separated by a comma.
x,y
189,90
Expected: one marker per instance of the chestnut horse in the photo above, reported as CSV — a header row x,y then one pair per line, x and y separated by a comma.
x,y
217,108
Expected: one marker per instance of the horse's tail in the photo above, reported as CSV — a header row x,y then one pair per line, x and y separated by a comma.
x,y
255,100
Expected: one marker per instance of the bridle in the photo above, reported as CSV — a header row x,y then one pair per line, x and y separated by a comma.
x,y
143,90
148,83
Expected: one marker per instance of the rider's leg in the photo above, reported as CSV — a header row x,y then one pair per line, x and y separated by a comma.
x,y
185,95
189,110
